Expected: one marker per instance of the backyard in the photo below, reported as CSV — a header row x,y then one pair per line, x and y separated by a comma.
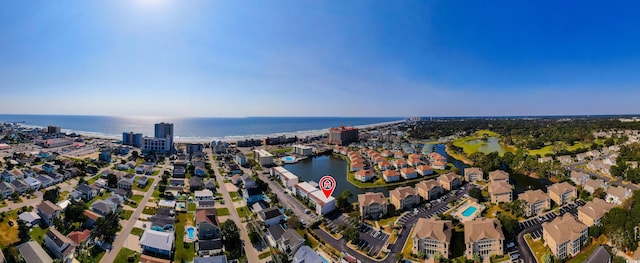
x,y
184,251
222,211
124,253
243,211
9,234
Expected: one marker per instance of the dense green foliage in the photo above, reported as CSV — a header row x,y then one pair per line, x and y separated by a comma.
x,y
231,239
342,201
524,133
52,195
518,162
619,224
628,153
351,234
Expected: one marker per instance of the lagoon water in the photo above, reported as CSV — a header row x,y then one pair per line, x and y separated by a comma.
x,y
487,146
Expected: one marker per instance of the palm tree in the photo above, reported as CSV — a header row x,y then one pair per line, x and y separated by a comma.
x,y
476,258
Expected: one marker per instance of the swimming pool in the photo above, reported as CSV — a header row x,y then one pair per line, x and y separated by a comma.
x,y
289,158
324,260
180,205
191,232
469,211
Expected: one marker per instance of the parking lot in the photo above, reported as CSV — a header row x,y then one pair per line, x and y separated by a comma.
x,y
571,208
371,241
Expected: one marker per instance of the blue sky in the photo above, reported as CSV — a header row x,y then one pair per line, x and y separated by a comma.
x,y
319,58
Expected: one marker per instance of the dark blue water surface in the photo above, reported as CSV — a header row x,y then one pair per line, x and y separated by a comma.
x,y
196,128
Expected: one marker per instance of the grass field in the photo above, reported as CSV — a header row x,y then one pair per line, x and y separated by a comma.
x,y
264,255
235,196
243,211
124,253
191,207
222,211
37,234
9,234
149,211
96,253
126,214
137,231
184,251
586,252
537,247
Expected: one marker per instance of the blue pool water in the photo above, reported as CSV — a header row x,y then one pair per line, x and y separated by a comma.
x,y
180,205
469,211
324,260
289,158
191,232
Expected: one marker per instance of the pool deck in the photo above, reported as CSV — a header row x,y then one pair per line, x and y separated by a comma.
x,y
458,212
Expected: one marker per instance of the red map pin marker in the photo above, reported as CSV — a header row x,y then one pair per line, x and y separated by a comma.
x,y
327,185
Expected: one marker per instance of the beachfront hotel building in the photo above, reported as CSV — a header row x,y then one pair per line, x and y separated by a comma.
x,y
164,130
484,237
535,202
132,139
372,205
432,236
564,236
157,145
343,135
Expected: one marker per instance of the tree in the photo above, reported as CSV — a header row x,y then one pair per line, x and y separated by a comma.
x,y
476,193
135,154
15,196
508,223
599,193
342,201
352,235
293,222
422,254
231,239
107,227
437,256
112,180
476,258
75,212
23,231
547,258
12,254
52,195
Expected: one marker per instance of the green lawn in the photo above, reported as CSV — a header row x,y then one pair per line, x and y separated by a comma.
x,y
124,253
243,211
95,255
137,231
149,211
235,196
222,211
184,251
264,255
126,214
156,193
146,188
37,233
586,252
137,198
281,151
537,247
191,207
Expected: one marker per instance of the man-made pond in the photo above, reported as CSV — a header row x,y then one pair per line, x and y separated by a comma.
x,y
488,145
312,169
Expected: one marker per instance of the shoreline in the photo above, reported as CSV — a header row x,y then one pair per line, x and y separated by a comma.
x,y
227,138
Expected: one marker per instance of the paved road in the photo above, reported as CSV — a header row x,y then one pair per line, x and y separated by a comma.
x,y
250,251
617,182
287,200
124,233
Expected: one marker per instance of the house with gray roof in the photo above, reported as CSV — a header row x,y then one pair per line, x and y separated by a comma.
x,y
306,255
87,192
61,246
20,186
103,207
214,259
32,252
45,180
6,189
157,243
48,211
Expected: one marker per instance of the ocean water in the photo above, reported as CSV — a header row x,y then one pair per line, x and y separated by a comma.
x,y
196,129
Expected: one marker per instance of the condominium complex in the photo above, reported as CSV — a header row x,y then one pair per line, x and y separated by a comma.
x,y
484,237
562,193
432,236
372,205
535,202
564,236
133,139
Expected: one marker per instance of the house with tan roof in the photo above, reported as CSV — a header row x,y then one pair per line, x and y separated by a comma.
x,y
372,205
424,170
484,237
408,173
498,175
473,174
404,197
565,159
391,176
429,189
364,175
592,212
564,236
500,191
578,178
590,185
562,193
432,236
617,195
439,165
450,181
535,202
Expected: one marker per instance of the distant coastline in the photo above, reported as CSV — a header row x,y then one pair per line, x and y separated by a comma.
x,y
198,129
